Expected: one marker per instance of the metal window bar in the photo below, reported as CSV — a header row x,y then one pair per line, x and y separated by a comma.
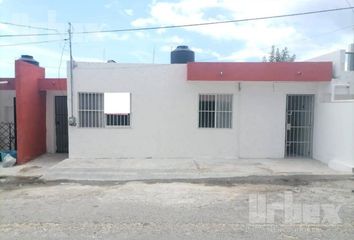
x,y
215,111
91,110
117,119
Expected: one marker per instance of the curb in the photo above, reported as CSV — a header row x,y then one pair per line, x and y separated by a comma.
x,y
290,180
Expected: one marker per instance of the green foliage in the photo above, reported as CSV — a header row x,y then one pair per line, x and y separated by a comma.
x,y
277,55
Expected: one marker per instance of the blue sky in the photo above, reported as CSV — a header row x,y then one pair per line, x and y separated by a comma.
x,y
306,36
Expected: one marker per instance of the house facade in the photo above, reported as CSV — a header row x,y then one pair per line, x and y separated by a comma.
x,y
28,121
183,111
204,110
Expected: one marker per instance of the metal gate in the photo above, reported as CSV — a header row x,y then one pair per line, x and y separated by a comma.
x,y
61,124
299,125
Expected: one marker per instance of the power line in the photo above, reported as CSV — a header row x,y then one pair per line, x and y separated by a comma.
x,y
352,15
30,43
61,58
59,68
349,5
65,39
188,25
221,22
28,26
296,40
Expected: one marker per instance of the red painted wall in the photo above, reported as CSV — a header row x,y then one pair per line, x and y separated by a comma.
x,y
53,84
9,86
47,84
249,71
30,112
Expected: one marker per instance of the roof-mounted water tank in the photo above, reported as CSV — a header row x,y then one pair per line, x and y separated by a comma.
x,y
29,59
182,54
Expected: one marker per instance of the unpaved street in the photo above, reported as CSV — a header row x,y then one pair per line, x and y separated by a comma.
x,y
137,210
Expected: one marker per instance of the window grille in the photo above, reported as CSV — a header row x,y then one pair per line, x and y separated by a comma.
x,y
117,119
91,110
215,111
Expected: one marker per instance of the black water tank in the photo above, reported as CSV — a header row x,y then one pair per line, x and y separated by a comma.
x,y
29,59
182,54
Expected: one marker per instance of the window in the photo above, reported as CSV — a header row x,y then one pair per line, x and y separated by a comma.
x,y
117,109
215,110
98,110
91,110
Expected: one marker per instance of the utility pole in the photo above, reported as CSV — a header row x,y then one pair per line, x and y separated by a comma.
x,y
72,121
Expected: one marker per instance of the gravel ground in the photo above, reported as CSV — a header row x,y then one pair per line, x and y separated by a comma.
x,y
178,210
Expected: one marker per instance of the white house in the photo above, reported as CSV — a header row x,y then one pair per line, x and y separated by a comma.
x,y
224,110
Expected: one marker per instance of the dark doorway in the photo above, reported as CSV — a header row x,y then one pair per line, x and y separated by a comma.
x,y
299,125
61,124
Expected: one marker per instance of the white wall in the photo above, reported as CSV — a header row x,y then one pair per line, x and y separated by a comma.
x,y
337,58
334,120
6,105
165,115
334,134
340,75
262,117
50,119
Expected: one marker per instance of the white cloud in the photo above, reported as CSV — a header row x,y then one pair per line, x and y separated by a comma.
x,y
263,34
169,43
255,37
174,40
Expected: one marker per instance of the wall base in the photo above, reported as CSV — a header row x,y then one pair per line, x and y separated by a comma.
x,y
340,166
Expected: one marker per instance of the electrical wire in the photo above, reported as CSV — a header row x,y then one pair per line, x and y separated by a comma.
x,y
59,68
347,1
349,4
302,39
61,58
28,26
30,43
187,25
220,22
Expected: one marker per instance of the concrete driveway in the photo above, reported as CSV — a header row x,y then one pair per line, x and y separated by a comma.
x,y
34,168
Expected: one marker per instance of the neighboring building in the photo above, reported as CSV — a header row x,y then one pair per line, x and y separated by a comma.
x,y
208,110
28,122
